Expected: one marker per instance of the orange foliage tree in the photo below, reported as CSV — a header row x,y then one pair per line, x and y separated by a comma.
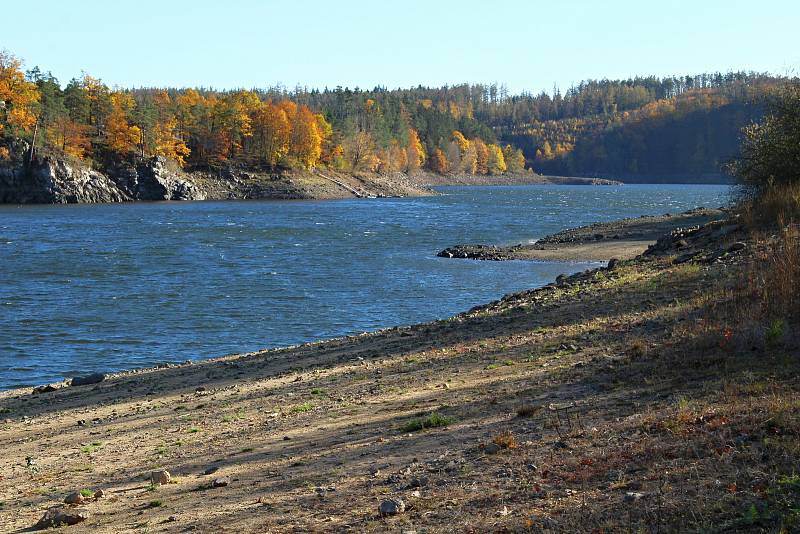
x,y
439,163
17,95
120,136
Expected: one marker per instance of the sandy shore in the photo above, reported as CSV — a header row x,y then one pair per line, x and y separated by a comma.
x,y
557,409
621,239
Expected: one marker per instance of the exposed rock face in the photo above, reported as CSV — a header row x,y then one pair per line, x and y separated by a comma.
x,y
54,181
57,181
154,180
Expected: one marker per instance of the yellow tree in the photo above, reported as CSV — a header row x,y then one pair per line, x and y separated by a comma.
x,y
306,144
481,157
497,163
515,159
329,149
415,152
188,105
272,133
120,136
100,101
461,141
18,97
165,132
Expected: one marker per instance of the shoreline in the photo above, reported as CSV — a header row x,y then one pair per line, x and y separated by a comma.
x,y
621,239
315,436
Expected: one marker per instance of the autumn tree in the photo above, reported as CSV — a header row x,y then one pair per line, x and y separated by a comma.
x,y
515,159
360,152
393,158
306,143
481,157
18,98
69,136
438,162
415,152
120,136
497,163
272,133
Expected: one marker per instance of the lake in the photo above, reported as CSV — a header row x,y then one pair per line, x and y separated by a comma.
x,y
116,286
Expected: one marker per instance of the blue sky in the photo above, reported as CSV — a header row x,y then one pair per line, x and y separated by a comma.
x,y
529,45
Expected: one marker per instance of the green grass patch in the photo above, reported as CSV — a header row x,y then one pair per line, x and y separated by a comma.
x,y
300,408
87,493
432,420
92,447
497,365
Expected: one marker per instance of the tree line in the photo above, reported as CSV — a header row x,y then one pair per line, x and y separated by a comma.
x,y
637,126
271,129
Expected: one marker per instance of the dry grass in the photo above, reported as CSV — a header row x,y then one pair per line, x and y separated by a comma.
x,y
506,440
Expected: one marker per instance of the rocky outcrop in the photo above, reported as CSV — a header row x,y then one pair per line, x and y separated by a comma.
x,y
54,181
480,252
709,243
153,179
639,229
50,180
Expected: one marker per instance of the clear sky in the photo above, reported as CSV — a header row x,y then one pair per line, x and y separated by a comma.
x,y
529,45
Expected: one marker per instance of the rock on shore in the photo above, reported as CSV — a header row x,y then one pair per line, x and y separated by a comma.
x,y
51,180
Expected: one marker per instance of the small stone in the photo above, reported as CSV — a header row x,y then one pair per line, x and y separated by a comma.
x,y
81,422
47,388
58,516
633,496
172,519
492,448
74,498
221,482
391,507
160,478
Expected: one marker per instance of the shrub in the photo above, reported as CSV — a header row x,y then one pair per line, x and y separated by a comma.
x,y
432,420
506,440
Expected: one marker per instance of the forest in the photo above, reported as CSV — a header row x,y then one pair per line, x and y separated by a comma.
x,y
644,126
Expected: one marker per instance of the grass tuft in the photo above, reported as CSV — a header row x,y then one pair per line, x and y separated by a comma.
x,y
433,420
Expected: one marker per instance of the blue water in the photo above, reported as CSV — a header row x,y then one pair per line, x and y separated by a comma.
x,y
108,287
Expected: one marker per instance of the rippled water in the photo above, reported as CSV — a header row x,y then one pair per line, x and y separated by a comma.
x,y
108,287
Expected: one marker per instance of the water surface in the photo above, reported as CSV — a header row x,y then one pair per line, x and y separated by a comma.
x,y
108,287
